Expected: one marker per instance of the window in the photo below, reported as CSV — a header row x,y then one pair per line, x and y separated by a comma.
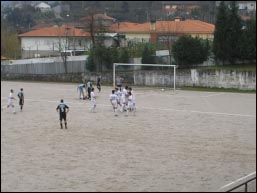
x,y
73,53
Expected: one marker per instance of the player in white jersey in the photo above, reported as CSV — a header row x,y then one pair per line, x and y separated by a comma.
x,y
130,107
114,101
133,99
93,100
119,94
124,99
10,101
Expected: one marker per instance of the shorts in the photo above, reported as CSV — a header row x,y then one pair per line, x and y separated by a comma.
x,y
62,116
114,104
94,102
10,103
21,102
130,106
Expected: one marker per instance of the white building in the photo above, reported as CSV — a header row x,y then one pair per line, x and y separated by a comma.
x,y
247,5
51,41
43,7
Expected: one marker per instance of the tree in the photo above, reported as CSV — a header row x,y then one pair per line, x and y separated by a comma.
x,y
234,32
189,51
248,41
94,25
220,47
125,7
10,45
147,58
124,56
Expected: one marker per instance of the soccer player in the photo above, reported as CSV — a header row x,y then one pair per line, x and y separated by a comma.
x,y
133,99
62,110
119,94
93,100
21,98
98,84
130,107
81,88
114,101
124,98
119,83
89,89
10,102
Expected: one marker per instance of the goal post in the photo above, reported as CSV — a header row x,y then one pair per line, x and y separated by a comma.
x,y
159,65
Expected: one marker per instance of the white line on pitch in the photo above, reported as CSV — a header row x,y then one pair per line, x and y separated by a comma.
x,y
151,108
213,95
202,112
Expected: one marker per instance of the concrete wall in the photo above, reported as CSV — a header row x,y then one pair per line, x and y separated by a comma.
x,y
199,78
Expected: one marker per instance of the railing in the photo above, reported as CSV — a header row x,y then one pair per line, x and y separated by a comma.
x,y
239,183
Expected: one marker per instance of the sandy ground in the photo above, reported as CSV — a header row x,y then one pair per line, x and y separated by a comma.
x,y
188,141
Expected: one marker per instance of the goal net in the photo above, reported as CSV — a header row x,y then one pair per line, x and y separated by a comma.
x,y
156,65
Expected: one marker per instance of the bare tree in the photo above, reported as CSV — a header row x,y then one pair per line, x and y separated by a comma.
x,y
169,33
94,24
65,33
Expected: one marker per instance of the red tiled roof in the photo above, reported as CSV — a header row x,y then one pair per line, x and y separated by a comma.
x,y
55,32
4,58
243,17
130,27
187,26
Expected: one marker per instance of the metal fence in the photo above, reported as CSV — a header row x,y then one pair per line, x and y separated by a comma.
x,y
44,68
241,182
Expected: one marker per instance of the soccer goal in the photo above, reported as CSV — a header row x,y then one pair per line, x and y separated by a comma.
x,y
159,65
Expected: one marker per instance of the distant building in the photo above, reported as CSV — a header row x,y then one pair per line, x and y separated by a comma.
x,y
60,9
246,9
160,31
186,7
243,5
50,41
247,5
43,7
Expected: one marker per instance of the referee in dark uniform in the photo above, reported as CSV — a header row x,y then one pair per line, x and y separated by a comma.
x,y
21,98
62,110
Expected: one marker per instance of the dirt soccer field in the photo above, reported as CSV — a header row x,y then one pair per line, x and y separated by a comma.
x,y
187,141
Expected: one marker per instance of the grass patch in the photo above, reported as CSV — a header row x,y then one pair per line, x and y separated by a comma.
x,y
217,90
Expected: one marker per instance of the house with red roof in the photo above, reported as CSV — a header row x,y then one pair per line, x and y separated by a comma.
x,y
160,30
50,41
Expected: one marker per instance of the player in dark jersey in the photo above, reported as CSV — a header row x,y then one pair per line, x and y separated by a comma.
x,y
98,84
62,110
21,98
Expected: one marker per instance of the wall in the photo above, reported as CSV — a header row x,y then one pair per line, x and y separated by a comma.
x,y
43,68
199,78
46,46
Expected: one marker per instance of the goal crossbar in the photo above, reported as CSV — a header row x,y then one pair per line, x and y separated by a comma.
x,y
125,64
